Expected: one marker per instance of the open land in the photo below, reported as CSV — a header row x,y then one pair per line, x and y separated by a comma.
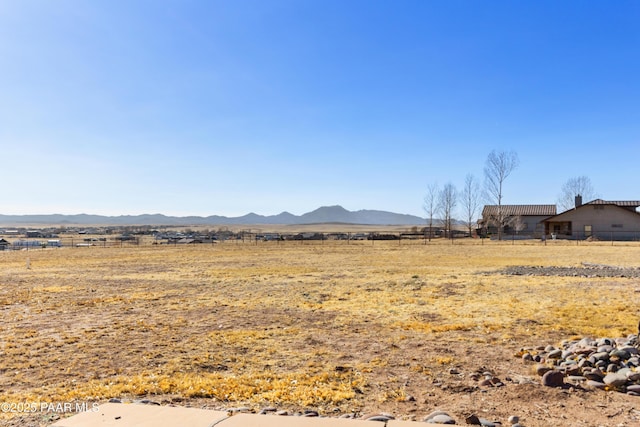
x,y
337,327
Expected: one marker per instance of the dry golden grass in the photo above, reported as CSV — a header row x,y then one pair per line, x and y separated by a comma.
x,y
325,325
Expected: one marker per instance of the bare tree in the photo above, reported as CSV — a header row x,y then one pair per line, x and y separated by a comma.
x,y
498,167
578,186
447,200
430,205
470,201
516,223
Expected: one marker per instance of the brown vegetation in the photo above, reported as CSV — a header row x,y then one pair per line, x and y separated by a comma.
x,y
332,326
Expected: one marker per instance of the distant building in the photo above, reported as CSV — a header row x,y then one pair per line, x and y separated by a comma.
x,y
27,244
187,241
523,220
597,219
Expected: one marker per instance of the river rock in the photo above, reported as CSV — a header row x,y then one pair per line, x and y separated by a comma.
x,y
604,341
595,375
555,354
553,379
615,379
635,388
434,414
619,354
605,349
542,369
633,376
472,420
378,418
441,419
597,356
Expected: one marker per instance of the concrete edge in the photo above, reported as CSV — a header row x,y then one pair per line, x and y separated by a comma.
x,y
145,415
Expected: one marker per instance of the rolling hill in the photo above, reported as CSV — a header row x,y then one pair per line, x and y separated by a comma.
x,y
325,214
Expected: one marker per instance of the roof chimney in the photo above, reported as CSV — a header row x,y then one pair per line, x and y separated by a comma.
x,y
578,200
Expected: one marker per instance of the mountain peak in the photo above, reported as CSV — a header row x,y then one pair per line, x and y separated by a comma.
x,y
333,208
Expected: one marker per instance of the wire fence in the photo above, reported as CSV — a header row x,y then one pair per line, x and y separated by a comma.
x,y
611,237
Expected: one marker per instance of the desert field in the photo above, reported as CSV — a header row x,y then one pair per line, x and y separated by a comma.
x,y
335,327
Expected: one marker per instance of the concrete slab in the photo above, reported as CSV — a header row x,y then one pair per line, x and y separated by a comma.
x,y
398,423
140,415
252,420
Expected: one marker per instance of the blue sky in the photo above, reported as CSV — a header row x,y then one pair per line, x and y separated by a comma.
x,y
229,107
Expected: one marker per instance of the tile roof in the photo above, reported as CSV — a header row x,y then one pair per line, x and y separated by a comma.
x,y
621,203
522,210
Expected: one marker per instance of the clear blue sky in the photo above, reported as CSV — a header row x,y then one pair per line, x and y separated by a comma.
x,y
227,107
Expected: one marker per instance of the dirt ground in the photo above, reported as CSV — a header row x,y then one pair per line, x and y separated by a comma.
x,y
408,373
457,394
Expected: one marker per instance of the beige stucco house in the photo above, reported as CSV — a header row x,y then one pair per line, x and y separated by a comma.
x,y
598,219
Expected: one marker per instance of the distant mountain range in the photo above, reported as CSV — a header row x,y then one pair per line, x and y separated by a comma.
x,y
325,214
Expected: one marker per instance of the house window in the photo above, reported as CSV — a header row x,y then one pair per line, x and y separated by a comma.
x,y
587,230
616,225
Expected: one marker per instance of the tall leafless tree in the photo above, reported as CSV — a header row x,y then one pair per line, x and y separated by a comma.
x,y
447,201
498,167
470,201
577,186
430,205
